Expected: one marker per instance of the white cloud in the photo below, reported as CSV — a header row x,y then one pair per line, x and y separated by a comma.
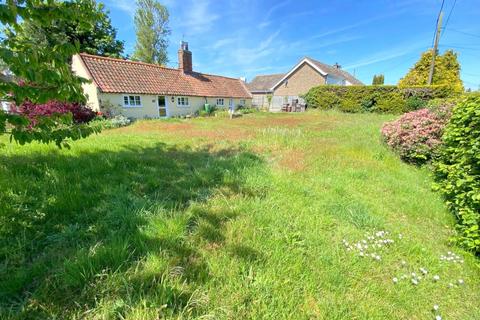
x,y
126,6
275,8
266,21
223,42
386,55
198,18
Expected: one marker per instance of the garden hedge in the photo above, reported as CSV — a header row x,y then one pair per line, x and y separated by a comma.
x,y
458,170
383,99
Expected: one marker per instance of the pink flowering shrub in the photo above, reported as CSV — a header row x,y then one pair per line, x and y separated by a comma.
x,y
416,135
80,113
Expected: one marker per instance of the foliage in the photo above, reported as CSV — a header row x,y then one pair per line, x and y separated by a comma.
x,y
44,72
378,79
416,136
54,121
33,112
98,38
447,71
110,110
415,103
245,109
269,99
207,111
151,26
111,122
383,99
457,171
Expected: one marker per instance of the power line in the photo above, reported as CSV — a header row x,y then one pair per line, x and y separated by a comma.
x,y
407,59
465,33
448,18
471,74
460,47
436,23
438,32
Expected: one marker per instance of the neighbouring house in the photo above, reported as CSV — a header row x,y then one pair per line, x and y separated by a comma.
x,y
272,91
144,90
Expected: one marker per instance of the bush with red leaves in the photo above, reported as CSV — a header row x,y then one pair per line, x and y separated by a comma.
x,y
80,113
416,135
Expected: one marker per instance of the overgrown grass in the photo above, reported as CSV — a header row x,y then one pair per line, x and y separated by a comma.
x,y
224,219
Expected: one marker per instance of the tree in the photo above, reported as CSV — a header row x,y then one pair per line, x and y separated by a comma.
x,y
447,71
378,79
42,74
151,26
98,38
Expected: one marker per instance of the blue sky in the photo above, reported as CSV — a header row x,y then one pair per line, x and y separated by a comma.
x,y
244,38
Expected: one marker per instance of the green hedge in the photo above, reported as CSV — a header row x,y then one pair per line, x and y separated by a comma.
x,y
384,99
458,170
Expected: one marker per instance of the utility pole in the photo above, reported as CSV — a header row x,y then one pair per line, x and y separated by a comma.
x,y
435,47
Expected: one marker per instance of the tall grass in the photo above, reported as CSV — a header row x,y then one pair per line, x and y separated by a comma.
x,y
150,223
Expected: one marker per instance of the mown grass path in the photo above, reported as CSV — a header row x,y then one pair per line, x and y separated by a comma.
x,y
227,219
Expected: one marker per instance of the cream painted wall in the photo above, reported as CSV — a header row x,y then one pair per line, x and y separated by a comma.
x,y
90,89
149,108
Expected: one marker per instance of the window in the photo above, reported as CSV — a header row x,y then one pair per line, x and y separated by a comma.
x,y
132,101
220,102
242,102
182,102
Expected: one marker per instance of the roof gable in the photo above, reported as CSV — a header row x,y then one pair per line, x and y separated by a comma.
x,y
322,68
123,76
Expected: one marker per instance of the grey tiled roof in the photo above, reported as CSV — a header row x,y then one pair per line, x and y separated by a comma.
x,y
265,82
335,71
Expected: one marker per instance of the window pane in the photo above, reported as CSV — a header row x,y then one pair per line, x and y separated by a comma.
x,y
131,100
186,101
137,100
125,101
161,101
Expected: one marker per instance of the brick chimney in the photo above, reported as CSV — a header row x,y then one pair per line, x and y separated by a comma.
x,y
184,58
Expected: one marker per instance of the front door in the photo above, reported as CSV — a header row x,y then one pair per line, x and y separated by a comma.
x,y
162,107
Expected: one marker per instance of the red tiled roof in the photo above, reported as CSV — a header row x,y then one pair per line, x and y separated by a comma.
x,y
124,76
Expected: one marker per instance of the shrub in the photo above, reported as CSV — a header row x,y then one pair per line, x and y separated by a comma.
x,y
392,102
415,103
111,123
80,113
384,99
416,136
457,170
109,110
329,100
205,112
245,109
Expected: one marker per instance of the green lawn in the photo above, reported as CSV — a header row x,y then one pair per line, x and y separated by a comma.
x,y
225,219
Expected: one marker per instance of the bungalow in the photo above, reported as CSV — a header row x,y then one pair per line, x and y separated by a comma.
x,y
272,91
144,90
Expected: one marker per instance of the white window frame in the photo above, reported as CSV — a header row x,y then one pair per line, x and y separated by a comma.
x,y
184,104
243,102
134,105
222,100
